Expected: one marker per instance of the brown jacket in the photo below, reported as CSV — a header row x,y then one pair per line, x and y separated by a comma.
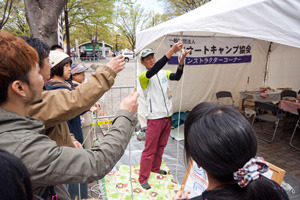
x,y
59,106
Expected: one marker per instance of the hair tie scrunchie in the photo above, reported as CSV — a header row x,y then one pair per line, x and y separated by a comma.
x,y
252,170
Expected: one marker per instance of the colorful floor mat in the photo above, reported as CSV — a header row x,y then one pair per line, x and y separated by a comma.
x,y
117,185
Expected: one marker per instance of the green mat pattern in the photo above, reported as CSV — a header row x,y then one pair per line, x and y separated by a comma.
x,y
117,185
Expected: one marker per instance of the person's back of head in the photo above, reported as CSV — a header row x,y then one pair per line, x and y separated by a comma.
x,y
220,140
57,47
41,48
14,178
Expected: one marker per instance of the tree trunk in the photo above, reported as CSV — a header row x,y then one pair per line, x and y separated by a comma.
x,y
42,16
67,31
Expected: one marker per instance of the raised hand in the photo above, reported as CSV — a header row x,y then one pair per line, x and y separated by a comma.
x,y
117,64
130,102
177,47
183,55
96,107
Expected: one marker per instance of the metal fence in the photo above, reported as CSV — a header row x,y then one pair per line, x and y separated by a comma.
x,y
110,104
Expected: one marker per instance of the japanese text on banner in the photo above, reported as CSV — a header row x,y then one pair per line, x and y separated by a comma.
x,y
213,50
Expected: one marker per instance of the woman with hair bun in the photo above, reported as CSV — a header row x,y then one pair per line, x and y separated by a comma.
x,y
221,141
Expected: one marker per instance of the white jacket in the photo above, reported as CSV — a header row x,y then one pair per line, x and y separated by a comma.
x,y
158,94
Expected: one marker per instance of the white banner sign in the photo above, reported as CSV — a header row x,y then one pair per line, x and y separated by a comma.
x,y
197,181
213,50
77,48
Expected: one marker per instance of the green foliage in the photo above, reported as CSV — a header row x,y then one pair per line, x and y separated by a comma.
x,y
158,18
89,19
17,24
89,12
175,8
130,18
6,8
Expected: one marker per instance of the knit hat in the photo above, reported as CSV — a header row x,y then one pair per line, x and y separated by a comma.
x,y
55,57
77,68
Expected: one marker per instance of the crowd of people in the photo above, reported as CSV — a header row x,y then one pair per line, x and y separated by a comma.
x,y
43,97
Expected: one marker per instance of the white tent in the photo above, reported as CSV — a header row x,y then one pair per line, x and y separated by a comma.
x,y
266,21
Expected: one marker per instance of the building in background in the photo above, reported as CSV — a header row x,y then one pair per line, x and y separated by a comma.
x,y
86,48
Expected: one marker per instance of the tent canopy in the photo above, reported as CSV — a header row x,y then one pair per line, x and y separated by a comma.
x,y
276,21
265,21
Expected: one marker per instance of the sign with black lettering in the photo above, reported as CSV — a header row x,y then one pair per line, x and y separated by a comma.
x,y
212,50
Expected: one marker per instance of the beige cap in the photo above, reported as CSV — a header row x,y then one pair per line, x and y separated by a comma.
x,y
55,57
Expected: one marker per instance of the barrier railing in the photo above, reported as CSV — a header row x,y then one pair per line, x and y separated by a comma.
x,y
110,104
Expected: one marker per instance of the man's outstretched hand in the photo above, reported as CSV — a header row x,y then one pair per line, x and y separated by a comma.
x,y
130,102
117,63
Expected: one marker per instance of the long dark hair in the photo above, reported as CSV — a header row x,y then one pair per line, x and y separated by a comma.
x,y
14,178
221,140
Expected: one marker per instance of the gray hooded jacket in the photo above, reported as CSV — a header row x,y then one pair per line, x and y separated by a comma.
x,y
49,164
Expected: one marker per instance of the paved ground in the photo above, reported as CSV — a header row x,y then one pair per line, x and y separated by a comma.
x,y
124,78
278,153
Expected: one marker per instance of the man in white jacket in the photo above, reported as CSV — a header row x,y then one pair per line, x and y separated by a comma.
x,y
156,89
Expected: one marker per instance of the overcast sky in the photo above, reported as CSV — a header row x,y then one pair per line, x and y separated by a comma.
x,y
151,5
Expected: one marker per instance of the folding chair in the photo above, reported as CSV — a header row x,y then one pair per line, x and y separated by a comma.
x,y
285,94
288,94
224,94
264,109
297,126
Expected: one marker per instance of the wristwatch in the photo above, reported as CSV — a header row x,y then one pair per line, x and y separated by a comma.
x,y
181,65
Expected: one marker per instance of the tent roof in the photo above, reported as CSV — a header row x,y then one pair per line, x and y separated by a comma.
x,y
270,20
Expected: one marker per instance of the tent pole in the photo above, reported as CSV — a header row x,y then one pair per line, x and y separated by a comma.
x,y
267,66
136,64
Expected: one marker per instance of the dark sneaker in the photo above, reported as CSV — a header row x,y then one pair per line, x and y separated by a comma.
x,y
146,186
162,172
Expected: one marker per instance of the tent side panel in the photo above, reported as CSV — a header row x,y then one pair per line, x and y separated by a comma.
x,y
284,68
